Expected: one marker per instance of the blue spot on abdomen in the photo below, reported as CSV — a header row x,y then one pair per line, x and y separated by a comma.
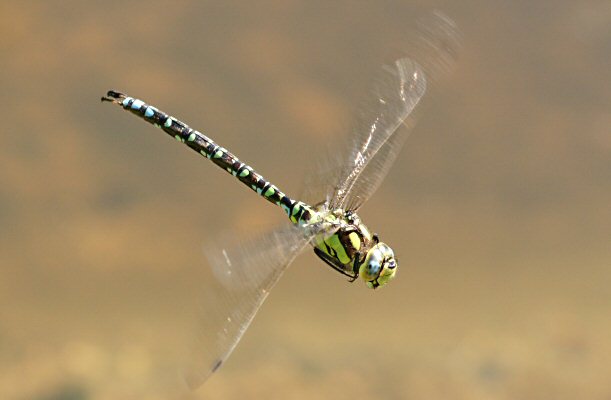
x,y
137,104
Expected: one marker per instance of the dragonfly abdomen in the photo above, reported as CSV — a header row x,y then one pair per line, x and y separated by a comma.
x,y
299,212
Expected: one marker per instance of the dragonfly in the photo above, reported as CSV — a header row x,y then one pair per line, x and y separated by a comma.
x,y
244,274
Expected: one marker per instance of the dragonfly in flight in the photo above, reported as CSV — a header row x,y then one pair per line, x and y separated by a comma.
x,y
244,274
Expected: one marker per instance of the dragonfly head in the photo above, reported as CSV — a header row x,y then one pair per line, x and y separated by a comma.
x,y
379,266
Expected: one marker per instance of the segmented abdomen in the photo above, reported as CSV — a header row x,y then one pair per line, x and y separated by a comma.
x,y
298,212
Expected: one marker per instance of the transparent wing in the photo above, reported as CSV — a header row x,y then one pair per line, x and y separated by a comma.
x,y
242,274
376,144
385,121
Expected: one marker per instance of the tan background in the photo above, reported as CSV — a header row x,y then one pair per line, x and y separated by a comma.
x,y
499,205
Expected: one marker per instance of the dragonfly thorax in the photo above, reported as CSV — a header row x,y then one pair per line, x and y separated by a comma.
x,y
353,250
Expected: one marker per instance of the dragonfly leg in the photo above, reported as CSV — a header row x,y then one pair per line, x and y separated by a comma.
x,y
356,266
323,256
375,238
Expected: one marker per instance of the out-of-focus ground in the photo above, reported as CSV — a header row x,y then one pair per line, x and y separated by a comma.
x,y
499,206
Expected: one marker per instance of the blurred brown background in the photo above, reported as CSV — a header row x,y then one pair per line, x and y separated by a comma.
x,y
499,205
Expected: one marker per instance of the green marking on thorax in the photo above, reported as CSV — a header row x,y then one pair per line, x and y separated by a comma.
x,y
334,243
354,240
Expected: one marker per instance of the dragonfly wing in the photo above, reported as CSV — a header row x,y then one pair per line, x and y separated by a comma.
x,y
385,121
347,180
241,278
376,142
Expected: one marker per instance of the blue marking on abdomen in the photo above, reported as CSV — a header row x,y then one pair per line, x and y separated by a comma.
x,y
137,104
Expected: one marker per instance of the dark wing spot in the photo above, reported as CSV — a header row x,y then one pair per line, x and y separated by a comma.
x,y
217,365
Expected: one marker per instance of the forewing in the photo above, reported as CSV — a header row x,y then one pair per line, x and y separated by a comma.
x,y
242,274
384,122
376,142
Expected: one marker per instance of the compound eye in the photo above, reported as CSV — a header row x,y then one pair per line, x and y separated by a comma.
x,y
373,268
